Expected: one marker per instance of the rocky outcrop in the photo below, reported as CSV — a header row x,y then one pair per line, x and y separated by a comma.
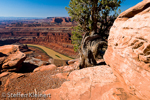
x,y
93,83
128,51
62,20
45,67
11,58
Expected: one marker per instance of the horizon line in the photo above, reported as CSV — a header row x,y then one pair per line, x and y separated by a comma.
x,y
35,17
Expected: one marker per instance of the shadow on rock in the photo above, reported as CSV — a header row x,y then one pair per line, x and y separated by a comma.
x,y
2,55
27,68
102,63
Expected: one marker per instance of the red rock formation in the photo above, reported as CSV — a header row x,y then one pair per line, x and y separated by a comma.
x,y
11,58
61,20
128,51
5,34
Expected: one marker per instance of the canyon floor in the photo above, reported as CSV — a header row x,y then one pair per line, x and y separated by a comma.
x,y
50,52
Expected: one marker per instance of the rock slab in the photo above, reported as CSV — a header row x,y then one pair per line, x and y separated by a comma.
x,y
93,83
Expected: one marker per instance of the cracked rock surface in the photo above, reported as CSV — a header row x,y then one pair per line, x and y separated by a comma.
x,y
93,83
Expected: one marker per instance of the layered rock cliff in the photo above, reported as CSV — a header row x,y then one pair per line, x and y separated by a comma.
x,y
54,33
62,20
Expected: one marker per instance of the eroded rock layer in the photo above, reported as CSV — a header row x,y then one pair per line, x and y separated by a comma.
x,y
11,58
128,51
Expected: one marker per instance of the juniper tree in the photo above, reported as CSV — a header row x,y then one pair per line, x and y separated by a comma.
x,y
94,20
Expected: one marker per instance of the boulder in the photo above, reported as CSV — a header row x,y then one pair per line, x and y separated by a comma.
x,y
128,51
72,61
4,74
45,67
71,67
11,58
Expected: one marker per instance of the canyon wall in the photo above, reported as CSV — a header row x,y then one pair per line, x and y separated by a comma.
x,y
59,42
54,33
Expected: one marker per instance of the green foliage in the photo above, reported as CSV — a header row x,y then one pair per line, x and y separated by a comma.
x,y
92,15
76,37
57,56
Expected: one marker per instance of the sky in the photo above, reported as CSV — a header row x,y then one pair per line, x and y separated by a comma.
x,y
43,8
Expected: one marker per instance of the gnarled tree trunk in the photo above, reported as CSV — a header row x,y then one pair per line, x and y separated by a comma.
x,y
90,45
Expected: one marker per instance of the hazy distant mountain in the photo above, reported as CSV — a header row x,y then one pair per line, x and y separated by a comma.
x,y
19,18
